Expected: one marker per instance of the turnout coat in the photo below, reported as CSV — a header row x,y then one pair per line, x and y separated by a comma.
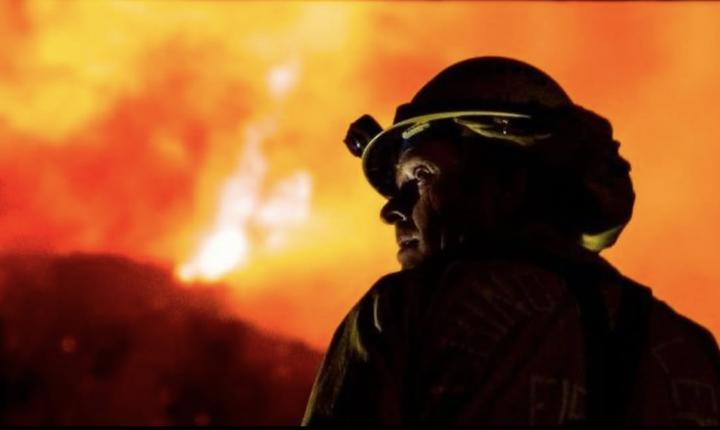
x,y
518,332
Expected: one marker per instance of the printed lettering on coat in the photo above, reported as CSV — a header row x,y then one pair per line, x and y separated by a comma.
x,y
695,401
555,401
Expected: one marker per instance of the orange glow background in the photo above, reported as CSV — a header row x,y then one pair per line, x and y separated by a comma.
x,y
121,124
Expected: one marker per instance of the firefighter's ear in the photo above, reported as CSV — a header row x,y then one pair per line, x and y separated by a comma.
x,y
360,133
590,178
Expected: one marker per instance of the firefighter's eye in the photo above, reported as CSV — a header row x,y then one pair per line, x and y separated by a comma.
x,y
422,174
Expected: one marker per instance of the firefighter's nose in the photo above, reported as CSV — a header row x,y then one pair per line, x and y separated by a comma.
x,y
392,212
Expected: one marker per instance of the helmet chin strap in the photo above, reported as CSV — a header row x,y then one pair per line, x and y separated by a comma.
x,y
599,241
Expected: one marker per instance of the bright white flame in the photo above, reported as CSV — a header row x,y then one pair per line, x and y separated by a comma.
x,y
281,79
288,202
287,206
242,206
220,252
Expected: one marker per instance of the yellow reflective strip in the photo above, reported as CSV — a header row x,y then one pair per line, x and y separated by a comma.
x,y
444,115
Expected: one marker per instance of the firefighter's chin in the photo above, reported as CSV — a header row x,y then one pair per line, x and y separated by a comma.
x,y
410,255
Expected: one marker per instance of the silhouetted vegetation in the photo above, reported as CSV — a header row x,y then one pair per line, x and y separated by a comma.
x,y
90,339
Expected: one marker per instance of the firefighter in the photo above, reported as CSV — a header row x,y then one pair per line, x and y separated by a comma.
x,y
503,192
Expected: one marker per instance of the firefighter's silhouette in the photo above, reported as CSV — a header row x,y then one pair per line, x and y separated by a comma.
x,y
503,192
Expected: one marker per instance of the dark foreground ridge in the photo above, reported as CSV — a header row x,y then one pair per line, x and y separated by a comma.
x,y
96,339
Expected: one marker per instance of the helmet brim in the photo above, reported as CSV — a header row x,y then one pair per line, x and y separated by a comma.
x,y
381,154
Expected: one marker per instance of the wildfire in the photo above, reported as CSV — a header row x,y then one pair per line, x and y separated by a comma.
x,y
243,207
197,134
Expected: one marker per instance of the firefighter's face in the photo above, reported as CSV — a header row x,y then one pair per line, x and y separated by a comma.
x,y
428,178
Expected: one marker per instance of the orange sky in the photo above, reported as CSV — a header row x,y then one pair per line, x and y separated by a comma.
x,y
126,127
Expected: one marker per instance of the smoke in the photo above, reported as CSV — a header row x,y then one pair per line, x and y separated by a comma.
x,y
122,125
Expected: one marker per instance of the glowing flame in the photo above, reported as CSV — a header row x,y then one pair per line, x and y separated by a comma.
x,y
220,252
282,78
243,207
